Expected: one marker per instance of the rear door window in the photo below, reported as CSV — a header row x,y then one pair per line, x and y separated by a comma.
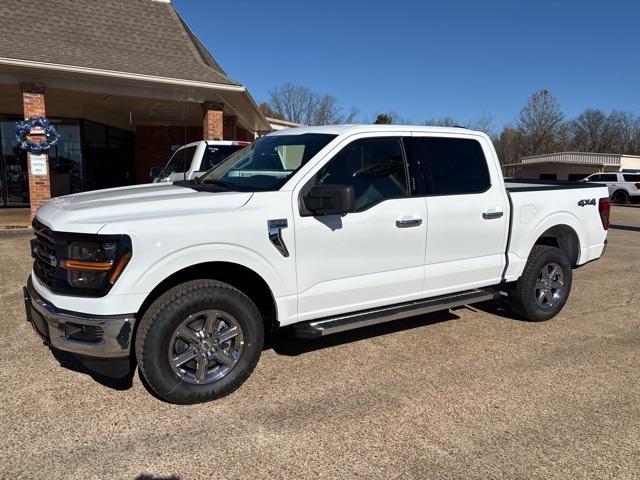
x,y
448,166
631,177
609,177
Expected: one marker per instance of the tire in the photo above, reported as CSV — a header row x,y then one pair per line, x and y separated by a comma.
x,y
192,323
525,297
620,196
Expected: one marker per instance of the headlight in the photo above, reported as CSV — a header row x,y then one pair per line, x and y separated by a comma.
x,y
93,265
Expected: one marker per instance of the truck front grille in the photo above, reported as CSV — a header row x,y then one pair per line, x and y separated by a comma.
x,y
45,253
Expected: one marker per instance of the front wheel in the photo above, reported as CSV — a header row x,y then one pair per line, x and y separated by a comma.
x,y
545,284
199,341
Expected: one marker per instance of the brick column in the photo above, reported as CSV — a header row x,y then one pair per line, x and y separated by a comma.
x,y
229,123
33,105
212,124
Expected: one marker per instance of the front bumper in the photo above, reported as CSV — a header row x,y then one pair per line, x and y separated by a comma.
x,y
94,339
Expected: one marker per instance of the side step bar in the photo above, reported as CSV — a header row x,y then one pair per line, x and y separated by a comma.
x,y
365,318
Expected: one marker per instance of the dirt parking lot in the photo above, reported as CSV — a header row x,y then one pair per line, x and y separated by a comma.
x,y
470,393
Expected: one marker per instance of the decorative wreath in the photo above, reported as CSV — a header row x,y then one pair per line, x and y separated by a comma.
x,y
23,129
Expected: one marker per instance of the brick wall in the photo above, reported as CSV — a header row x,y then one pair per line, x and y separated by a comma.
x,y
153,146
212,120
33,103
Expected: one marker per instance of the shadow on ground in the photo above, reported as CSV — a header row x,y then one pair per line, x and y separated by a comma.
x,y
625,227
67,360
284,342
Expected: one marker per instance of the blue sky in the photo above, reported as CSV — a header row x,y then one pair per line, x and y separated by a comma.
x,y
424,59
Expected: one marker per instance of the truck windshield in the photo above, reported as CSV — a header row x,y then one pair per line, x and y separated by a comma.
x,y
268,162
179,162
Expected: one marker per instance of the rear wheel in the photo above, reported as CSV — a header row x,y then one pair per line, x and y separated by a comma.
x,y
544,287
621,196
199,341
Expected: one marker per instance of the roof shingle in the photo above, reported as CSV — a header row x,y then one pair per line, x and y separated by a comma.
x,y
134,36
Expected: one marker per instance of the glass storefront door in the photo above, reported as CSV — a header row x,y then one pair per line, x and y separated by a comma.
x,y
89,156
14,176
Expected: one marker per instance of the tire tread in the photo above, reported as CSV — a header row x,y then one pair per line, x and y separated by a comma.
x,y
172,299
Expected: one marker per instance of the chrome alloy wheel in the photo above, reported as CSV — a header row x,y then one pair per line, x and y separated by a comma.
x,y
205,347
549,285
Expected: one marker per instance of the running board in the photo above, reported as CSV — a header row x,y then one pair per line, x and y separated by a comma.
x,y
340,323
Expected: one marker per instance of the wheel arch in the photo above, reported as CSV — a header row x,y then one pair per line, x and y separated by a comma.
x,y
238,276
565,238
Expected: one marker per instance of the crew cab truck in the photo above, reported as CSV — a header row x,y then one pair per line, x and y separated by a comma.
x,y
194,159
323,229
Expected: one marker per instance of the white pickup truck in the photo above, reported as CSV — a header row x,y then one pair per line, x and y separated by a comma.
x,y
194,159
323,229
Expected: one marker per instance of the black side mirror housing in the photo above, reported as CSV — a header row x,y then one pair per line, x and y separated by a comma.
x,y
155,172
330,199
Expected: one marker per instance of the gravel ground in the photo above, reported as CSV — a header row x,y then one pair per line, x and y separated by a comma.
x,y
470,393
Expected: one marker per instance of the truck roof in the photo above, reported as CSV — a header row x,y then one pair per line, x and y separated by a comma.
x,y
356,128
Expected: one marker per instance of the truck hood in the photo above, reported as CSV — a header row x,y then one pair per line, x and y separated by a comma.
x,y
89,212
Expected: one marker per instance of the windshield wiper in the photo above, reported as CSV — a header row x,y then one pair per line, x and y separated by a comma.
x,y
220,183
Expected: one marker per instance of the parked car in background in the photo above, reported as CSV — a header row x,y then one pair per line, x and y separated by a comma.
x,y
194,159
324,229
624,187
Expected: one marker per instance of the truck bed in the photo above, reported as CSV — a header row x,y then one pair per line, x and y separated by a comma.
x,y
539,205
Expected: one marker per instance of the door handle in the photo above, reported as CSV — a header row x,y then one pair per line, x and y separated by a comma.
x,y
489,214
408,222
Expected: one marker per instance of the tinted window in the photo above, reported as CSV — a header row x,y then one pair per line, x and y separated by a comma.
x,y
631,177
374,167
609,177
548,176
215,154
595,178
574,177
449,165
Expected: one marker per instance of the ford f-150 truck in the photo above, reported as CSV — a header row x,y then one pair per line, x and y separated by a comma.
x,y
323,229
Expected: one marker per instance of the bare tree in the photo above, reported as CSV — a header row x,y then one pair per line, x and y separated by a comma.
x,y
299,104
588,131
509,145
266,109
539,123
441,122
483,124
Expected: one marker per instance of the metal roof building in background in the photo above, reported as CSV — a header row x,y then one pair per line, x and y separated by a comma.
x,y
569,165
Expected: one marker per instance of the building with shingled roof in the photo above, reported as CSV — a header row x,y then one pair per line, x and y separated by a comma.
x,y
123,82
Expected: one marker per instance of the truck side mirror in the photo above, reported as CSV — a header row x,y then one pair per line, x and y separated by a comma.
x,y
330,199
155,172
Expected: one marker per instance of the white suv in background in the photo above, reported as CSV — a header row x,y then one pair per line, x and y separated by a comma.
x,y
623,186
194,159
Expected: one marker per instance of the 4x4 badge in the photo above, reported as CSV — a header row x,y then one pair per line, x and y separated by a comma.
x,y
584,203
